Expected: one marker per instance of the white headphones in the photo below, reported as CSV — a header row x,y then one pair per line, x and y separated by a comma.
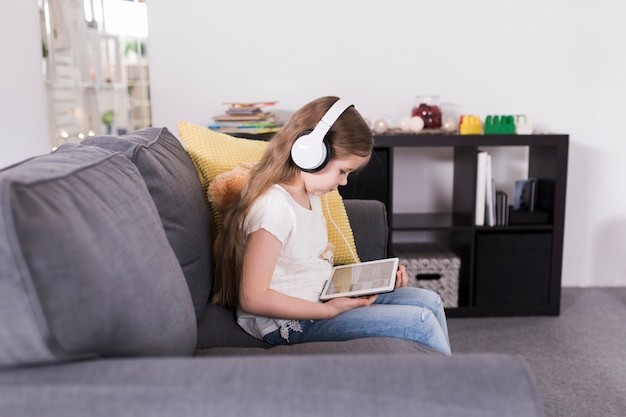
x,y
311,151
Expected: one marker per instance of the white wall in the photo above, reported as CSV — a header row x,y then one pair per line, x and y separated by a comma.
x,y
23,114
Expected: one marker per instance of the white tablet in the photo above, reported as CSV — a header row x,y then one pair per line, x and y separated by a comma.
x,y
365,278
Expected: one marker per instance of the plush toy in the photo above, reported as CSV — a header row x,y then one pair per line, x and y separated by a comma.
x,y
225,187
223,191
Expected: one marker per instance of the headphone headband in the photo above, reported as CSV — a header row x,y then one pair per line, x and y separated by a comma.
x,y
310,152
331,116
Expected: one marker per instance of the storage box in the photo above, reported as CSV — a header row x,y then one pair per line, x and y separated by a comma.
x,y
433,267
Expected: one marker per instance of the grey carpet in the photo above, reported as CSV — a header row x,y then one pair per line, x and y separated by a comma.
x,y
578,358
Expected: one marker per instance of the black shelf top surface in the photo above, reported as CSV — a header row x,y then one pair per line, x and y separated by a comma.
x,y
434,140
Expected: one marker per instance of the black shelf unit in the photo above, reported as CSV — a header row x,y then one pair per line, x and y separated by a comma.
x,y
505,270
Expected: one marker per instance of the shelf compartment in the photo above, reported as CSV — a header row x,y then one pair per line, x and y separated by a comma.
x,y
513,269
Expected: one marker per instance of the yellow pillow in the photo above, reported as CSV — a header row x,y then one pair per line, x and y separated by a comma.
x,y
213,153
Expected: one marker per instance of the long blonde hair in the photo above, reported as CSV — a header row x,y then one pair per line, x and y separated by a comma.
x,y
349,135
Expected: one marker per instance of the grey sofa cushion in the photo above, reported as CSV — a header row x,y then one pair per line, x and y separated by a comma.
x,y
85,267
366,345
368,219
283,385
175,188
218,328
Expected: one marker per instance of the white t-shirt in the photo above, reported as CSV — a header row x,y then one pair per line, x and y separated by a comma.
x,y
299,272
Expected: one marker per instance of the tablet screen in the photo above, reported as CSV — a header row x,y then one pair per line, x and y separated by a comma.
x,y
364,278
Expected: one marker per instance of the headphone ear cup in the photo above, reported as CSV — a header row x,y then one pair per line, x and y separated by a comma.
x,y
326,152
308,154
303,133
310,150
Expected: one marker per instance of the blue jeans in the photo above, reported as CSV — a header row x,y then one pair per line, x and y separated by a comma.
x,y
409,313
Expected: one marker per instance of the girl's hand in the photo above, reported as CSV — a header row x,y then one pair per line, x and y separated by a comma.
x,y
339,305
329,253
402,278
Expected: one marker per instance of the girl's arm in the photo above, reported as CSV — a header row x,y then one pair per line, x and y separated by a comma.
x,y
256,297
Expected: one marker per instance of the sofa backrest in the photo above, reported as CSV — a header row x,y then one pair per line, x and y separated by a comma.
x,y
174,185
86,268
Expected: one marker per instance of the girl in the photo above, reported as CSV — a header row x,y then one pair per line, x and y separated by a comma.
x,y
275,281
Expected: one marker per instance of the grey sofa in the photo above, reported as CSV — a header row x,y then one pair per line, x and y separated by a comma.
x,y
105,276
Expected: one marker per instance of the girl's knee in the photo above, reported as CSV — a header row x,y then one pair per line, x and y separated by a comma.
x,y
423,297
428,332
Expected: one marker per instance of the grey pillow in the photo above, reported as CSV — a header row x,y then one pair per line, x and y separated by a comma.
x,y
85,267
175,187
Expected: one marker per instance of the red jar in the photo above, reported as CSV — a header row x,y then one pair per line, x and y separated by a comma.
x,y
427,107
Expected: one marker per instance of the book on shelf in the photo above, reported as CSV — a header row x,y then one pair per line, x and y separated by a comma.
x,y
258,117
481,188
249,105
481,169
485,210
247,118
248,108
253,129
502,208
490,196
525,194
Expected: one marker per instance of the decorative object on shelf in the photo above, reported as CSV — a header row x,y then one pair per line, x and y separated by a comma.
x,y
416,124
523,125
380,126
427,107
470,125
449,124
405,122
499,125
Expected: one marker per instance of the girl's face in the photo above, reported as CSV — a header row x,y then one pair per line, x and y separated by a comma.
x,y
334,174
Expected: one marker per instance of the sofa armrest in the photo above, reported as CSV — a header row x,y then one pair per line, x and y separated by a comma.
x,y
368,219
